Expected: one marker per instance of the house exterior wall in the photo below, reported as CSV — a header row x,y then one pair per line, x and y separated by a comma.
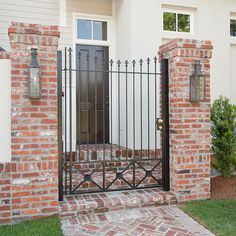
x,y
233,72
5,111
211,21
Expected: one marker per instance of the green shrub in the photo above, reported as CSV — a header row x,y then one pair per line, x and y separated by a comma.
x,y
223,131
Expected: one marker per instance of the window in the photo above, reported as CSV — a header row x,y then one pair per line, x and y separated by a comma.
x,y
91,30
176,22
233,27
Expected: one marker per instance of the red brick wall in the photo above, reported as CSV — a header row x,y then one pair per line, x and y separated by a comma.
x,y
33,172
189,122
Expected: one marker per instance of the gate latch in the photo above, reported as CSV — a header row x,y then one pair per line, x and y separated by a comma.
x,y
159,124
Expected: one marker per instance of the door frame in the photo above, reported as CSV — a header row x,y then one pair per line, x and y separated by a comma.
x,y
110,43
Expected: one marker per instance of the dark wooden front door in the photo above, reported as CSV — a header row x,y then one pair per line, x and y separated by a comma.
x,y
92,94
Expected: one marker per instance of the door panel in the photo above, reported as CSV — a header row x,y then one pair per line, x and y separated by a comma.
x,y
92,94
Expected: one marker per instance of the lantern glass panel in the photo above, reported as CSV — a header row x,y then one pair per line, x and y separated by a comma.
x,y
34,83
202,86
194,93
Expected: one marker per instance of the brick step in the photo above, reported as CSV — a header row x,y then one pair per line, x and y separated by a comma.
x,y
90,204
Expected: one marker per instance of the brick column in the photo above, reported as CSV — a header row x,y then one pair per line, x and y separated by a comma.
x,y
34,171
189,122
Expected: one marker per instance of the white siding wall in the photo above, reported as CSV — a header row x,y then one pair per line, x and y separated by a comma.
x,y
36,11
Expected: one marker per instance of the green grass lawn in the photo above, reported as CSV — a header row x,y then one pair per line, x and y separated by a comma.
x,y
219,216
43,227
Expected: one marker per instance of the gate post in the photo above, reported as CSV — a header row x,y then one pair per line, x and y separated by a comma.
x,y
189,123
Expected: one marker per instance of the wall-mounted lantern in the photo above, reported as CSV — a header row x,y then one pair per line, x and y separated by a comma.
x,y
34,76
197,84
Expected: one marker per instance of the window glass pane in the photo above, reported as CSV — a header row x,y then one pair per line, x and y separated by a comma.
x,y
233,28
84,29
183,23
99,30
169,21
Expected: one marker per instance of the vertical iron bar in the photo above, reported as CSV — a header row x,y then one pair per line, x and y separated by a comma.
x,y
155,77
78,76
111,64
95,107
70,81
119,106
165,113
59,112
104,122
87,106
133,123
141,107
148,94
65,121
126,106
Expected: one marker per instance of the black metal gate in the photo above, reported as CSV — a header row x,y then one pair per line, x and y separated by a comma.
x,y
134,152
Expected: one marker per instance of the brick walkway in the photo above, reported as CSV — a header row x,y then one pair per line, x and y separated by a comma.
x,y
136,212
162,221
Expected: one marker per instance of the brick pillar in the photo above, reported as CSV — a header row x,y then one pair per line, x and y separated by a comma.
x,y
34,171
189,122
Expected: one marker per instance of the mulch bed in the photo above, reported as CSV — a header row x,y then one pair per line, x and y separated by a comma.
x,y
223,188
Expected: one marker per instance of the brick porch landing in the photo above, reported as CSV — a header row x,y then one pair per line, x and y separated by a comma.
x,y
112,201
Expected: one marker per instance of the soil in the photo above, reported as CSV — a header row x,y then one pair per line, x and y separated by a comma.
x,y
223,188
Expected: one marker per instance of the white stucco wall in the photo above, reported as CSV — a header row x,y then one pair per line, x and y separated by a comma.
x,y
142,34
233,72
5,111
211,21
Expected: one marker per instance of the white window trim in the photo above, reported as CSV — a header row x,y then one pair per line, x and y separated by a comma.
x,y
110,42
190,13
103,18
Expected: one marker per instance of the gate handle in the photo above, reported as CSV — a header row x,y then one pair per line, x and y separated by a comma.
x,y
160,124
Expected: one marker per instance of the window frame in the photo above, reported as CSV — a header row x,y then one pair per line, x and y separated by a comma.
x,y
190,13
92,18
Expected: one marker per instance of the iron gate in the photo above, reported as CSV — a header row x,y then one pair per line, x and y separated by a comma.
x,y
134,152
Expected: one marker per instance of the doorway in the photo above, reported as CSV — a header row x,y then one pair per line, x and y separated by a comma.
x,y
92,94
